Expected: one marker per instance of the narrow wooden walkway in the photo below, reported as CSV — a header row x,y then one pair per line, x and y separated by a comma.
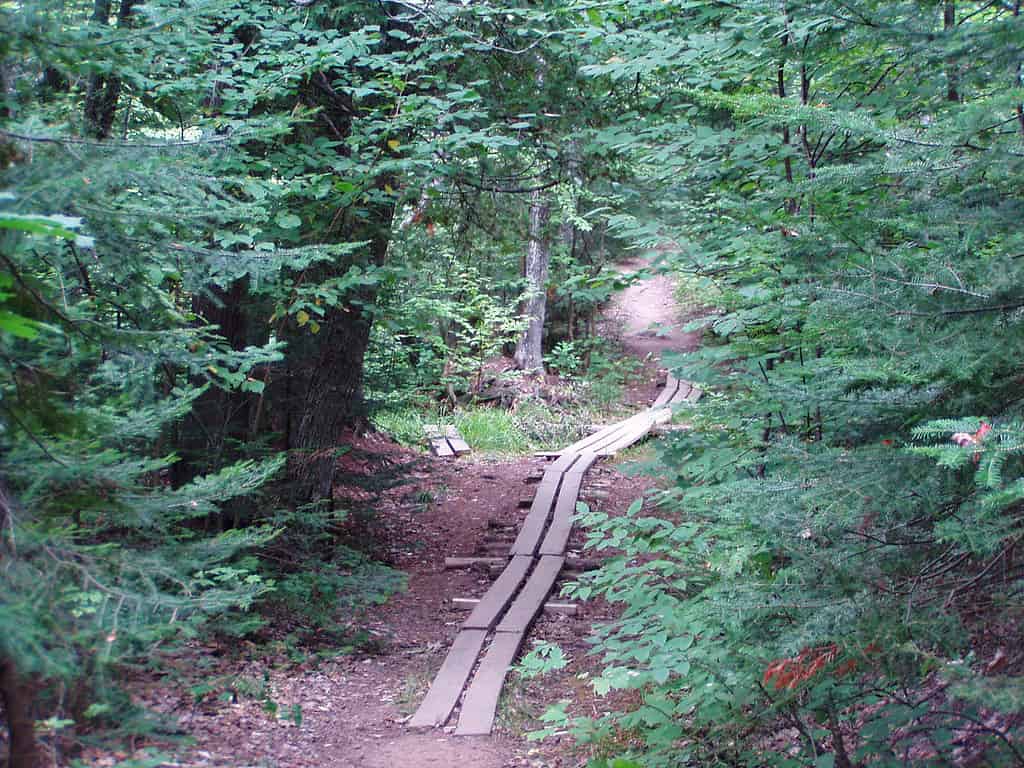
x,y
499,623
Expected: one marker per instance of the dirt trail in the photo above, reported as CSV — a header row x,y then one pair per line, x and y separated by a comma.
x,y
647,315
353,708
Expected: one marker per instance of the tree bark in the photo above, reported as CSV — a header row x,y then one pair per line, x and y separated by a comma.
x,y
949,25
529,354
104,90
16,694
332,397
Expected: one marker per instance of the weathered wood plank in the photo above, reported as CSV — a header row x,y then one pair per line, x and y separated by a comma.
x,y
561,522
694,395
468,562
566,609
633,429
681,393
586,460
670,390
444,692
535,476
564,462
528,540
476,718
498,597
439,447
587,443
527,604
445,442
606,436
458,445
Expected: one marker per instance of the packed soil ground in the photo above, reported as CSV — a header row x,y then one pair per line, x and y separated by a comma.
x,y
282,706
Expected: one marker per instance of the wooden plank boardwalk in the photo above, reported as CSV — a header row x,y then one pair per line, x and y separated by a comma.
x,y
446,442
506,611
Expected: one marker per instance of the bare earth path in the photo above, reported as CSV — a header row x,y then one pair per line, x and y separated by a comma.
x,y
354,707
648,316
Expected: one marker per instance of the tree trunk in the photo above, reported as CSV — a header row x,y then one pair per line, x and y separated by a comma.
x,y
949,26
17,699
529,354
218,417
103,90
332,397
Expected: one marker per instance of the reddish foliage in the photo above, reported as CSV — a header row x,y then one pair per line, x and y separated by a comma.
x,y
791,671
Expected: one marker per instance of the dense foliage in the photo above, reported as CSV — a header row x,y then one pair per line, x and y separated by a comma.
x,y
229,230
222,224
838,568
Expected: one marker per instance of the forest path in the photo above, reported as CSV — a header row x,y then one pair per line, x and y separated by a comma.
x,y
647,315
354,707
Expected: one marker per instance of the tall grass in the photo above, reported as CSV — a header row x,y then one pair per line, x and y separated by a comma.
x,y
488,430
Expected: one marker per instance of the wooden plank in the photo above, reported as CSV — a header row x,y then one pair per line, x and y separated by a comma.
x,y
526,606
498,597
564,462
439,447
469,562
537,518
458,445
476,718
694,395
586,460
595,442
671,388
444,692
680,396
561,522
587,443
566,609
632,430
636,433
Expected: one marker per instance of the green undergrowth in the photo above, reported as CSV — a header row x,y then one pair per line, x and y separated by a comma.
x,y
490,430
531,425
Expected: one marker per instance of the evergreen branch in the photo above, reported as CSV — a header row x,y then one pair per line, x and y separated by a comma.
x,y
69,140
954,312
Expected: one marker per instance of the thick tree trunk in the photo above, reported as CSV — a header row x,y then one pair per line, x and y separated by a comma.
x,y
529,354
332,401
219,417
16,694
332,397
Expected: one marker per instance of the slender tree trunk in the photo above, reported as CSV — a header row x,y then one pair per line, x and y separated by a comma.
x,y
529,354
949,25
1018,80
103,90
567,231
16,694
780,85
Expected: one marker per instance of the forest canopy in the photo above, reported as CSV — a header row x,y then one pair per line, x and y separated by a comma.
x,y
231,230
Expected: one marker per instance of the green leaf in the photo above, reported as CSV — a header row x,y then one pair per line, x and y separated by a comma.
x,y
19,326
